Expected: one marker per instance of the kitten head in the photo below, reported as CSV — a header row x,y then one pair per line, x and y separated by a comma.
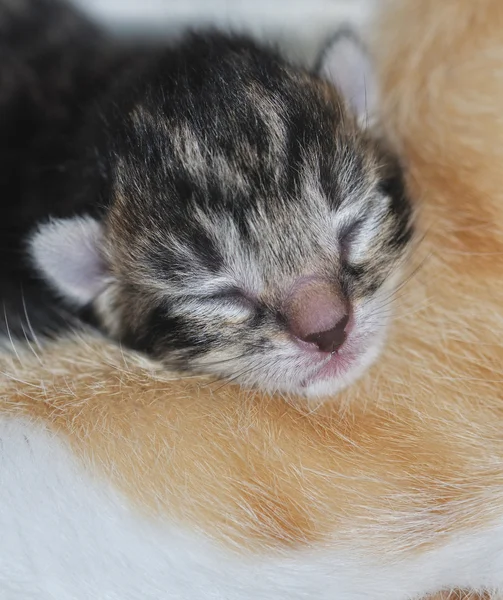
x,y
255,228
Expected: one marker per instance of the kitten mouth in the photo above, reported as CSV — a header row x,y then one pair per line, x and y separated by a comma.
x,y
341,369
336,366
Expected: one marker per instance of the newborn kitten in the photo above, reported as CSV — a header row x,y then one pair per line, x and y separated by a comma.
x,y
208,204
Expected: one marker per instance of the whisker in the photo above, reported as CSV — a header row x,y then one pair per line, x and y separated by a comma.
x,y
30,346
9,332
28,321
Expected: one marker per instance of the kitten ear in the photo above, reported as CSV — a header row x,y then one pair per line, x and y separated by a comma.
x,y
346,64
67,253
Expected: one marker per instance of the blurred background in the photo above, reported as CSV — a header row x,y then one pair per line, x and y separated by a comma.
x,y
299,26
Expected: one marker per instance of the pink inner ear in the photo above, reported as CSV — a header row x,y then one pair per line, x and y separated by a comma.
x,y
347,66
67,253
81,270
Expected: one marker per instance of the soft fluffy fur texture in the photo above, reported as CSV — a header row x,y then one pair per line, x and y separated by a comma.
x,y
233,217
396,491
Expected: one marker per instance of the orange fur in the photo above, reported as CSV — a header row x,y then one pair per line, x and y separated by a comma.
x,y
411,454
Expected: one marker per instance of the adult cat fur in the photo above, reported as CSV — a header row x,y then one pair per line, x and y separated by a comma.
x,y
120,483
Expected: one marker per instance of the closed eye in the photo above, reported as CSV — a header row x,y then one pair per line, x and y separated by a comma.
x,y
232,298
227,306
348,235
231,294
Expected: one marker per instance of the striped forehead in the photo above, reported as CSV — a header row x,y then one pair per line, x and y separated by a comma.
x,y
278,245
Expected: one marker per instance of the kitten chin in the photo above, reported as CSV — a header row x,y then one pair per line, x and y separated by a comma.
x,y
231,214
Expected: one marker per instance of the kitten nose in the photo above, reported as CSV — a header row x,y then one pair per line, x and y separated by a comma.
x,y
332,339
317,313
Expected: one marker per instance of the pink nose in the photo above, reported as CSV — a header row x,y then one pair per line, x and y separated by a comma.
x,y
317,313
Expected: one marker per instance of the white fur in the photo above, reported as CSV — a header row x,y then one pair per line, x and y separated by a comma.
x,y
66,535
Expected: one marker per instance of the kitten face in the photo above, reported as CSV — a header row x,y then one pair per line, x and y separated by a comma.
x,y
254,231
